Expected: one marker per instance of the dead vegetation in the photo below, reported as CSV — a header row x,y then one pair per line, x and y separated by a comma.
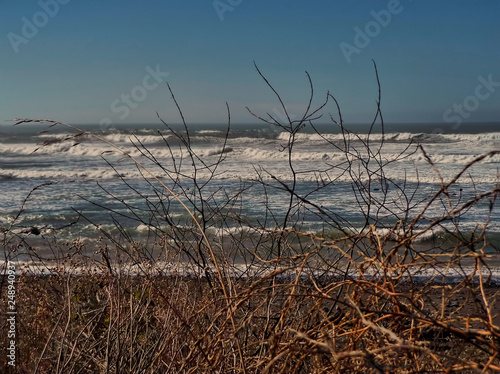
x,y
300,302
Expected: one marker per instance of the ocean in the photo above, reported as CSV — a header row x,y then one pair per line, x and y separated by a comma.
x,y
77,187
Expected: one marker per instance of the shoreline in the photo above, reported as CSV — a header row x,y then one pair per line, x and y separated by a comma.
x,y
439,275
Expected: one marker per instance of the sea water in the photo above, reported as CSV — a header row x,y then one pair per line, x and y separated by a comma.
x,y
69,186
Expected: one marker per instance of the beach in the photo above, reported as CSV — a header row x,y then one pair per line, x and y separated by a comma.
x,y
349,244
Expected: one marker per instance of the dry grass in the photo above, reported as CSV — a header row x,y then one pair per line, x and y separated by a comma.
x,y
303,303
99,323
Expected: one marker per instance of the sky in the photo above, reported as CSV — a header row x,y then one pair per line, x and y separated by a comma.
x,y
95,61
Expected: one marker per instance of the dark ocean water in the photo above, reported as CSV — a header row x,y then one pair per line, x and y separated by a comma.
x,y
79,177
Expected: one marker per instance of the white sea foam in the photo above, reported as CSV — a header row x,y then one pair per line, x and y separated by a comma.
x,y
418,274
314,159
399,137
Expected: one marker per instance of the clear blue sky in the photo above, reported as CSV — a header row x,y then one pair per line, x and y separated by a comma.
x,y
88,53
